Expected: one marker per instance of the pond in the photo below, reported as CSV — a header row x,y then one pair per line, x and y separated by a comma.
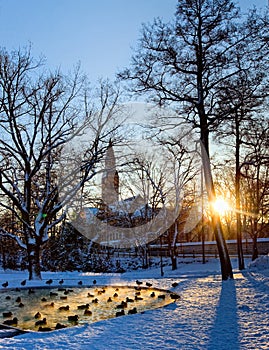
x,y
46,309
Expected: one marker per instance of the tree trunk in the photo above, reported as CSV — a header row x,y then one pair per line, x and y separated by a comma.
x,y
226,266
34,267
173,258
174,254
172,246
255,252
241,264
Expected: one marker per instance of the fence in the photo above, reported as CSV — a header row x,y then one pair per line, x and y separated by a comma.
x,y
195,249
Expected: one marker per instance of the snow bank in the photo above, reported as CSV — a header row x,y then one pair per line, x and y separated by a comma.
x,y
260,264
210,314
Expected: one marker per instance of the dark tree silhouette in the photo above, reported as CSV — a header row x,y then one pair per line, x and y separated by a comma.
x,y
184,64
243,97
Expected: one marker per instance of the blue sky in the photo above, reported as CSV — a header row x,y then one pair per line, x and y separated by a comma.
x,y
98,33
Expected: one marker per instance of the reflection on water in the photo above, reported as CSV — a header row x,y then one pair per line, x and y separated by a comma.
x,y
91,304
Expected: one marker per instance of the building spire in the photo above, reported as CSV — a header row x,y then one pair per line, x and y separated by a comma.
x,y
110,179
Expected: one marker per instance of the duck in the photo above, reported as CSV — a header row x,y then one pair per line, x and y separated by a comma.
x,y
161,296
49,305
21,305
12,322
43,299
73,318
83,307
53,294
138,298
120,313
138,282
31,291
5,285
7,314
132,311
94,281
137,293
87,312
63,297
8,297
115,295
49,282
41,322
61,281
174,296
64,308
175,284
109,300
129,300
152,294
60,326
38,315
148,284
90,295
122,305
18,300
80,283
23,283
44,329
61,289
95,301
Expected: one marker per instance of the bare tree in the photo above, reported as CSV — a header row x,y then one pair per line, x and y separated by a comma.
x,y
39,114
163,181
255,172
183,63
242,98
186,62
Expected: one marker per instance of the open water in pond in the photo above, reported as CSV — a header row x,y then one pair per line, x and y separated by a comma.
x,y
43,308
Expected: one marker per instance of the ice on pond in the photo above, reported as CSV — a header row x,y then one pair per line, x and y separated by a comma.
x,y
45,309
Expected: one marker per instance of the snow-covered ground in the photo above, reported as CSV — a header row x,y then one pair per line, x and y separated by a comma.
x,y
211,314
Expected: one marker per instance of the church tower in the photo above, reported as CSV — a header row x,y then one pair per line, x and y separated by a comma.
x,y
110,179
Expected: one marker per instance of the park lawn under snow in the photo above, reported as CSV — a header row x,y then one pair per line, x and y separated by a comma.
x,y
211,313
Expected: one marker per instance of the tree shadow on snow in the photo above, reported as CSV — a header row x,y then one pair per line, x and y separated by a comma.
x,y
225,330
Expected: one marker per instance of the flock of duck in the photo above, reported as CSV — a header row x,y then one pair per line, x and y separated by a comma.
x,y
127,306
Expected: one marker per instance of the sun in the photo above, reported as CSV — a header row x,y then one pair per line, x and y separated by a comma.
x,y
221,206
